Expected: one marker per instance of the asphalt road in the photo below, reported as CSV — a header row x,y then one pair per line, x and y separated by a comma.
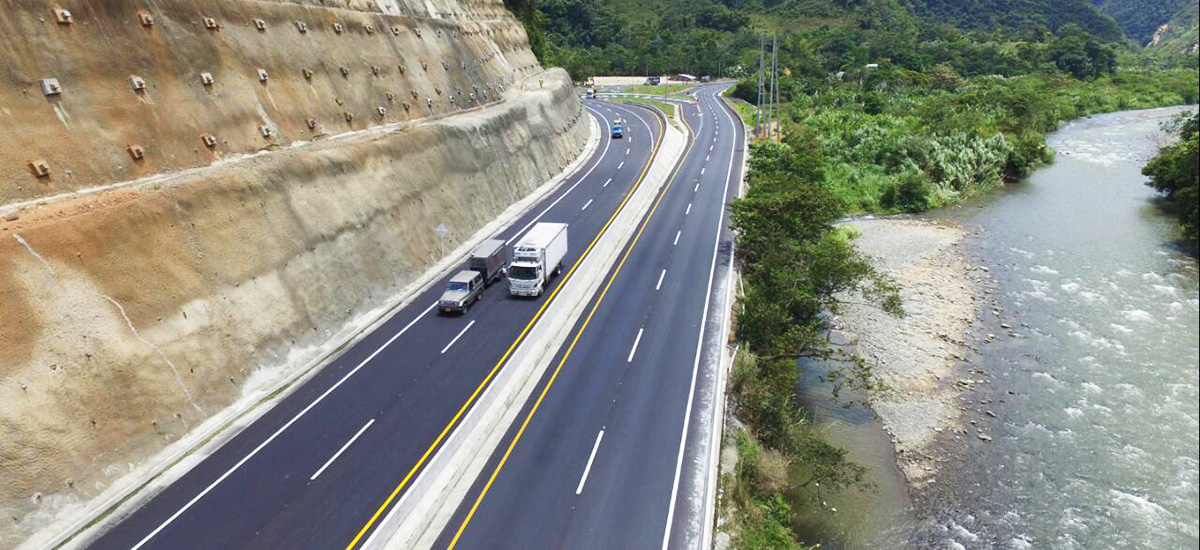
x,y
314,470
614,454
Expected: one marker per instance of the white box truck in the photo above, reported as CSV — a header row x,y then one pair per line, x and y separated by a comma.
x,y
537,257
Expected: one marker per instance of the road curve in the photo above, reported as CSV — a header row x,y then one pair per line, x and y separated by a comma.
x,y
616,451
314,470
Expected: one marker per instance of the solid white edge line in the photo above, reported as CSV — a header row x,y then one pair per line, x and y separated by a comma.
x,y
636,341
721,398
586,204
660,279
696,363
568,191
266,442
460,333
588,468
342,450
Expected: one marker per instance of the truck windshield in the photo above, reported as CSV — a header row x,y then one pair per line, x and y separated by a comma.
x,y
457,286
522,272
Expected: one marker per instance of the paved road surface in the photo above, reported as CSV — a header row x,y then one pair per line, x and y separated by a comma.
x,y
601,462
313,471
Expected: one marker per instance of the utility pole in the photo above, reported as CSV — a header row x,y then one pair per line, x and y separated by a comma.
x,y
773,110
758,112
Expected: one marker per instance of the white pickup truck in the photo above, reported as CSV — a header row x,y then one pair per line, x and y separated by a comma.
x,y
537,257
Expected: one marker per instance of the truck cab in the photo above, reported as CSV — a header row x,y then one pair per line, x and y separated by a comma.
x,y
536,258
618,128
465,288
590,93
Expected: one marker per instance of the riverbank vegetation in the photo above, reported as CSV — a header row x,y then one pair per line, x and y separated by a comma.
x,y
795,265
1175,173
908,141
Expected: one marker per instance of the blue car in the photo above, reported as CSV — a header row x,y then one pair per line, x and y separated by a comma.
x,y
618,129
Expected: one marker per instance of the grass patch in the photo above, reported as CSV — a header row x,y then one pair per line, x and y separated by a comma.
x,y
666,107
661,89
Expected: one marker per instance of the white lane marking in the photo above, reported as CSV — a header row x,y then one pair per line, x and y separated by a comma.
x,y
712,270
677,237
342,450
710,147
460,333
588,468
627,150
702,169
260,446
607,182
689,210
636,341
586,204
706,157
565,193
696,188
660,279
620,165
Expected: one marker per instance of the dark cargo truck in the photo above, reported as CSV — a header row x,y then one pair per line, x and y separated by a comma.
x,y
490,259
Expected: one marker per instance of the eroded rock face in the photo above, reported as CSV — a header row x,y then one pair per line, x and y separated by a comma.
x,y
129,316
263,75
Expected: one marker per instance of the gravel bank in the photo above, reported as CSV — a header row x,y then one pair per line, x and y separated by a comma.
x,y
922,358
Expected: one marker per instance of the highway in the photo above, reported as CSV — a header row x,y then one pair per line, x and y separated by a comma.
x,y
320,467
612,452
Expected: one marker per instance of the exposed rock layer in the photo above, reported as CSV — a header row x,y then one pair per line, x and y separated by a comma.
x,y
129,316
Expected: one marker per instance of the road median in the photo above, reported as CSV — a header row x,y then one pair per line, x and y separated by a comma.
x,y
428,505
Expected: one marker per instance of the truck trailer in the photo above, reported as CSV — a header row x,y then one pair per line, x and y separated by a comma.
x,y
537,257
490,259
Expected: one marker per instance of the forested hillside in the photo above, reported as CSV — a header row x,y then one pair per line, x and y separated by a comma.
x,y
1141,18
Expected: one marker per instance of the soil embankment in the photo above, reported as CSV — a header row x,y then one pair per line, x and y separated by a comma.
x,y
129,316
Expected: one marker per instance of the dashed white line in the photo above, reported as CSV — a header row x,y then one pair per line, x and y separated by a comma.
x,y
607,182
677,237
710,147
268,441
342,450
633,350
696,188
620,165
627,150
660,279
706,157
689,210
586,204
582,179
702,169
462,332
588,468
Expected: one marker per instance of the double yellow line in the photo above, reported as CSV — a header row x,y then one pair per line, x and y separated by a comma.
x,y
545,390
482,385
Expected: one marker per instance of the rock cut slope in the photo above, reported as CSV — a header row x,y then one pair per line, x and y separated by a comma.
x,y
130,315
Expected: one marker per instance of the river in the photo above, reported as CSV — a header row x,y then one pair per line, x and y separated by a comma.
x,y
1097,410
